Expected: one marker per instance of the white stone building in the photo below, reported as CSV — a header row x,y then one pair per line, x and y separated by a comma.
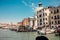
x,y
43,19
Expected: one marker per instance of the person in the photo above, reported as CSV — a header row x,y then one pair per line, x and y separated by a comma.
x,y
41,38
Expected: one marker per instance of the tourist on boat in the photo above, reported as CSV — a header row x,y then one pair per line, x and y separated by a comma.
x,y
41,38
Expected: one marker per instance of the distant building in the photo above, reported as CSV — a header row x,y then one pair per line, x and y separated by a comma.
x,y
31,22
48,17
19,24
35,22
25,22
55,17
42,14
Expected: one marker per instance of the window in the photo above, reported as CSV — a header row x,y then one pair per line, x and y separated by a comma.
x,y
40,15
52,17
58,21
52,26
55,17
40,20
57,10
52,22
40,23
46,23
44,14
59,26
46,18
51,12
43,19
55,22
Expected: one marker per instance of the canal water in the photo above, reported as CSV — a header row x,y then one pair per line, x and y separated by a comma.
x,y
6,34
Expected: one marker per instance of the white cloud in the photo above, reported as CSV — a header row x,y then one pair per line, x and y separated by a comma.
x,y
24,3
31,5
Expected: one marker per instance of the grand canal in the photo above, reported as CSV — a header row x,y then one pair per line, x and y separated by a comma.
x,y
6,34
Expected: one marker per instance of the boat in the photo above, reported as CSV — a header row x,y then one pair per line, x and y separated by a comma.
x,y
48,31
41,32
57,32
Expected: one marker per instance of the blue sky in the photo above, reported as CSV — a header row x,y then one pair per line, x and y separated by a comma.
x,y
16,10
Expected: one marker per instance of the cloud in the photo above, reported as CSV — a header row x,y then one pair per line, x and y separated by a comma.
x,y
24,3
30,4
33,6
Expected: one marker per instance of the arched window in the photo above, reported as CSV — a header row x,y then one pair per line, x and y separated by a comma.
x,y
58,21
57,16
57,10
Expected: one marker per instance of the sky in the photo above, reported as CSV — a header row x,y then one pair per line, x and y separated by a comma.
x,y
16,10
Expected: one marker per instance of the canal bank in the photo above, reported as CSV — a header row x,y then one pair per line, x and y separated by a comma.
x,y
6,34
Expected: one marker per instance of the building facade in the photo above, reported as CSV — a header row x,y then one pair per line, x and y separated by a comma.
x,y
55,17
31,22
19,24
43,17
25,22
48,17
